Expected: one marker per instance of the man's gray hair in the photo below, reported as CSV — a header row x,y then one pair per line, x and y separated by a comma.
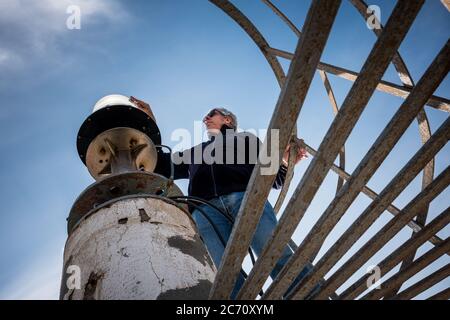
x,y
229,114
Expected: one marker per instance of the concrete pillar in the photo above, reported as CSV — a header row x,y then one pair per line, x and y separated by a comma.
x,y
126,238
138,248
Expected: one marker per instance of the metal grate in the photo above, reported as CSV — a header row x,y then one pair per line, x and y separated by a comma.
x,y
294,87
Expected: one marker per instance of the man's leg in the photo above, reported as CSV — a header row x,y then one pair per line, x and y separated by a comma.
x,y
210,237
263,232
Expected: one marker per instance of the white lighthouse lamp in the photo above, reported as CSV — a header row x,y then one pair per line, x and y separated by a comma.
x,y
118,137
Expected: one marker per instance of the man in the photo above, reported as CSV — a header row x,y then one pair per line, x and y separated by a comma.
x,y
221,176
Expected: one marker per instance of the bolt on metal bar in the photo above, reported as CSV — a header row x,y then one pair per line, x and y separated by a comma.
x,y
317,28
377,207
436,102
393,259
352,107
422,262
386,233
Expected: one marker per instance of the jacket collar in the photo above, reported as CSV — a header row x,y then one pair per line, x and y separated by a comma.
x,y
224,130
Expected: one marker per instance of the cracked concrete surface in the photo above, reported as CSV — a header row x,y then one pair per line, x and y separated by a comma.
x,y
161,257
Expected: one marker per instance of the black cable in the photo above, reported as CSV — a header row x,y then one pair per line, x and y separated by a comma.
x,y
222,240
226,215
206,202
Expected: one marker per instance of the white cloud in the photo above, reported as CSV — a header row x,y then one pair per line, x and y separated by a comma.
x,y
29,30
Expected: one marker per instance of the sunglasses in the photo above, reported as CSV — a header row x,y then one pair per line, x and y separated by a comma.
x,y
213,112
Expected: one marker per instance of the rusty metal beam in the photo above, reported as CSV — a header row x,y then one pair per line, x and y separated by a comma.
x,y
262,44
418,265
376,155
383,236
424,284
313,241
317,27
376,208
393,259
330,93
289,174
355,102
436,102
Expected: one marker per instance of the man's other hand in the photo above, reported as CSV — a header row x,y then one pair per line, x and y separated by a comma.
x,y
301,152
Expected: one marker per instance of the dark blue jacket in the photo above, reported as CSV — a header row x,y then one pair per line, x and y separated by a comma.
x,y
214,176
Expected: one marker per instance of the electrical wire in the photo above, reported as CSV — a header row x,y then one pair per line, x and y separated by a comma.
x,y
227,215
222,240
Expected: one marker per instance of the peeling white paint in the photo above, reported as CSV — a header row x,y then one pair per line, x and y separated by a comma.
x,y
134,260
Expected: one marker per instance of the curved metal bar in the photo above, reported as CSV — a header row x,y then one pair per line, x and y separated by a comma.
x,y
403,91
405,77
352,107
283,17
256,36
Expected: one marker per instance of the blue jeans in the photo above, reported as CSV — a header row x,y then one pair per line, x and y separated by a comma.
x,y
231,203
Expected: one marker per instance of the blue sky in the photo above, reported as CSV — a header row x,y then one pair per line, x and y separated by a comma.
x,y
183,57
